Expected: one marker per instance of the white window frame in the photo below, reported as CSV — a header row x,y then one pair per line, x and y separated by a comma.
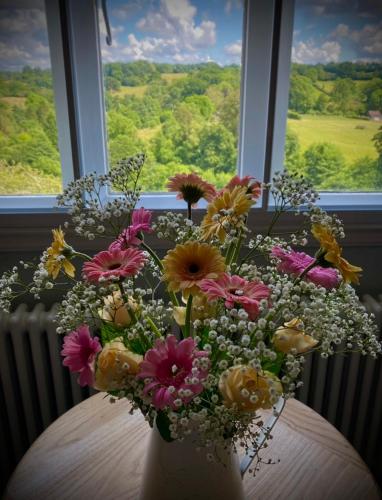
x,y
256,71
261,136
40,203
329,200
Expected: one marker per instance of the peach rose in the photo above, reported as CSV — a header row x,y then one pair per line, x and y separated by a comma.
x,y
114,364
116,310
248,389
292,336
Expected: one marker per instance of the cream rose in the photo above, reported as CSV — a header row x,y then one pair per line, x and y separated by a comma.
x,y
292,336
248,389
114,364
201,309
116,310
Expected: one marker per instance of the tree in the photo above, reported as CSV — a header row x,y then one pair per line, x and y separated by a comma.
x,y
301,94
322,160
292,152
344,95
217,149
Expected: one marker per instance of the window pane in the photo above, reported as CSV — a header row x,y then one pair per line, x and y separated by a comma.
x,y
334,133
172,86
29,157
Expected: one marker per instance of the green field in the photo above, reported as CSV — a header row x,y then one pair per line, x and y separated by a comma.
x,y
341,131
24,180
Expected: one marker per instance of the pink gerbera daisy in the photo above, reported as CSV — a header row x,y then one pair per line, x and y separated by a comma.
x,y
296,262
140,223
114,262
172,371
80,350
236,291
191,188
253,186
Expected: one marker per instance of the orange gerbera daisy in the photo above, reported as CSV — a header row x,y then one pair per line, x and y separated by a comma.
x,y
58,255
226,208
187,265
331,252
191,188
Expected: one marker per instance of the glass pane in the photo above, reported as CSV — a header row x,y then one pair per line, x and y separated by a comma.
x,y
29,157
334,133
172,86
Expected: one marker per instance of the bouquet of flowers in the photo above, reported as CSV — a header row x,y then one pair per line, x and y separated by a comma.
x,y
219,328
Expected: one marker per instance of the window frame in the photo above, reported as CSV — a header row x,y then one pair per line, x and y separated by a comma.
x,y
340,200
267,41
42,203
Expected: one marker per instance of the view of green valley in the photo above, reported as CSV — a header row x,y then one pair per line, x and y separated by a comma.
x,y
174,94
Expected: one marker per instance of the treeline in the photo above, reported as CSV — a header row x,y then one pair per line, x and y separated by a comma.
x,y
28,131
185,118
348,89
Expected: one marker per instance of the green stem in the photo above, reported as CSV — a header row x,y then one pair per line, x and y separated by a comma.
x,y
187,326
273,222
153,326
189,211
229,253
305,271
83,255
158,262
237,247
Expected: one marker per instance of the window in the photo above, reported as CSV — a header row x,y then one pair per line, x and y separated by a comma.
x,y
335,98
172,87
30,162
208,86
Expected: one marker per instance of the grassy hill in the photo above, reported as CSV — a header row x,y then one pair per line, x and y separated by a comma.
x,y
352,136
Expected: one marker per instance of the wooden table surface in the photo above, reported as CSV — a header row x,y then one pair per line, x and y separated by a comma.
x,y
97,450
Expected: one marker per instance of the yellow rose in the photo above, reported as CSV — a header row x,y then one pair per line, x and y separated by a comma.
x,y
114,364
248,389
201,309
292,336
116,310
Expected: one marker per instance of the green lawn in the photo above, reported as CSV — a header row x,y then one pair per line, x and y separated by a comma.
x,y
24,180
351,141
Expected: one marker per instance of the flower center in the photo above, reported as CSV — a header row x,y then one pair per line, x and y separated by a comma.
x,y
193,268
114,266
174,369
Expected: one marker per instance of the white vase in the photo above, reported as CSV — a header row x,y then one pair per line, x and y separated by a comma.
x,y
177,471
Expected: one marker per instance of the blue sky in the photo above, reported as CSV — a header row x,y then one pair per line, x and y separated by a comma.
x,y
187,31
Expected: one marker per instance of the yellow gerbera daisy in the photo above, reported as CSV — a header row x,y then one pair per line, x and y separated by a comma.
x,y
58,254
331,252
187,265
226,208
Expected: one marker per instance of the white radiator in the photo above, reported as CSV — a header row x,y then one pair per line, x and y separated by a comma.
x,y
35,388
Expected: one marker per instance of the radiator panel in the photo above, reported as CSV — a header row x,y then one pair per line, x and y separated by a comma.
x,y
35,388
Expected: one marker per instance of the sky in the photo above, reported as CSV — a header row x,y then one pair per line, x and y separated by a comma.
x,y
190,31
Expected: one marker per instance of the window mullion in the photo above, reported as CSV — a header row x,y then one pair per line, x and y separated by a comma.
x,y
256,71
87,81
59,88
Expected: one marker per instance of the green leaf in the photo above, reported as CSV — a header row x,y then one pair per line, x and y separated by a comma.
x,y
109,332
163,424
274,366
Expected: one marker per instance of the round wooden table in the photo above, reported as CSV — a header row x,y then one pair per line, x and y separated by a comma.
x,y
97,450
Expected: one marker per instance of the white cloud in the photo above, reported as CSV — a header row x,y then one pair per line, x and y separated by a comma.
x,y
176,18
309,53
23,37
233,49
368,39
127,10
21,21
342,30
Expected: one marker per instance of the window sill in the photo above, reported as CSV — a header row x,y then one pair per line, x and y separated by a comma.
x,y
32,231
